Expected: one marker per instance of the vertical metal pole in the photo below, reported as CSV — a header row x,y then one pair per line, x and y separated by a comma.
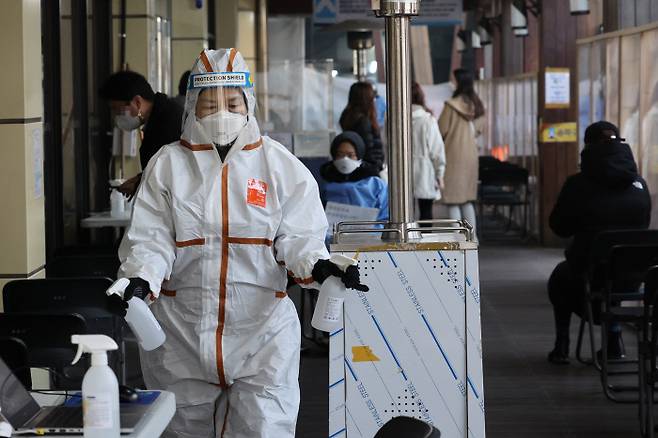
x,y
262,63
398,95
101,132
398,92
52,128
361,67
123,65
80,111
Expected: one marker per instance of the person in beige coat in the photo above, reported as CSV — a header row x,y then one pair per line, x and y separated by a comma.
x,y
458,123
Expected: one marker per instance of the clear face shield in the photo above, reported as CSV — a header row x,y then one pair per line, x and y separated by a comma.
x,y
220,105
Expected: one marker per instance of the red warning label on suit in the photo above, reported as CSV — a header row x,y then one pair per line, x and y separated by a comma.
x,y
256,192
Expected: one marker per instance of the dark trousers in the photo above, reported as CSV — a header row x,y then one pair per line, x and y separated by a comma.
x,y
566,290
425,209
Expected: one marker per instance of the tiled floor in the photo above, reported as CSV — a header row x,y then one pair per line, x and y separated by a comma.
x,y
525,395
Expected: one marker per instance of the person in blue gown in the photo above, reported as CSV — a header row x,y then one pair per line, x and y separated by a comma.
x,y
347,182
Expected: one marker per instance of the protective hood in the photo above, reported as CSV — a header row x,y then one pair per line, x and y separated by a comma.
x,y
609,163
218,68
350,137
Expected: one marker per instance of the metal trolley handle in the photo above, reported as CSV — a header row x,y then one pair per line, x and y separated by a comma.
x,y
436,226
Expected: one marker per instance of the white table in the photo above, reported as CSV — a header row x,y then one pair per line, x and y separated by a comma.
x,y
153,423
104,219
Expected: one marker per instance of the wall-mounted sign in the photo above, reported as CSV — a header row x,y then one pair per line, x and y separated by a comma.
x,y
431,12
557,92
441,12
559,132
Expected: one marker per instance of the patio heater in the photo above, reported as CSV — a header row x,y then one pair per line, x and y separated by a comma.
x,y
411,346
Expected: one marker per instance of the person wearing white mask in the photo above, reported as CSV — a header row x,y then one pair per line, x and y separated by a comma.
x,y
220,219
347,181
134,105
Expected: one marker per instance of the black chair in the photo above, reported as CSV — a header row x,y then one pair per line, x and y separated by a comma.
x,y
13,352
618,263
503,184
48,341
407,427
84,265
648,375
82,296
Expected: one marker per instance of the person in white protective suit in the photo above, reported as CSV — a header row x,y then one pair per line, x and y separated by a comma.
x,y
222,216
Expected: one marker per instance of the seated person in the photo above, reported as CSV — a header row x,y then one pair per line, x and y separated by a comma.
x,y
348,182
606,194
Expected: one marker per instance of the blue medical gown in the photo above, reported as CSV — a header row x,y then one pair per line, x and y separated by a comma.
x,y
369,192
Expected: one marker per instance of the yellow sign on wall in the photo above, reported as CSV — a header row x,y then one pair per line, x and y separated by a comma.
x,y
559,132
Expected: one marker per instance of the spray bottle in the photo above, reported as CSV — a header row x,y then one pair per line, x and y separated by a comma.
x,y
117,204
117,200
328,314
140,318
100,388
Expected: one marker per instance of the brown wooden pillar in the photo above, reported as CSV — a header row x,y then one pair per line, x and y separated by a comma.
x,y
557,48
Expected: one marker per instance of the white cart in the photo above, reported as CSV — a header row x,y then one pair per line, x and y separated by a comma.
x,y
411,346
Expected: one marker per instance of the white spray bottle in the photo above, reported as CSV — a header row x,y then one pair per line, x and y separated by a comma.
x,y
328,314
100,388
140,318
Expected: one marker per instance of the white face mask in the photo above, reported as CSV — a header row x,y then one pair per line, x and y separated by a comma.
x,y
346,165
126,121
223,126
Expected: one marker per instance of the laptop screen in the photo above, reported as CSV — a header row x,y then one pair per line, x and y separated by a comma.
x,y
16,404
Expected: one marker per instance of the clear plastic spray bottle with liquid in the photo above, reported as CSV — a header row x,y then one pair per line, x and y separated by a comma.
x,y
100,388
328,314
140,318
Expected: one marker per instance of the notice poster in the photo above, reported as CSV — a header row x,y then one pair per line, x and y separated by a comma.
x,y
443,12
557,88
337,213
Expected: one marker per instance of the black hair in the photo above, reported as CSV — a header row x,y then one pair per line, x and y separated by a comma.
x,y
466,89
360,103
125,85
182,83
244,95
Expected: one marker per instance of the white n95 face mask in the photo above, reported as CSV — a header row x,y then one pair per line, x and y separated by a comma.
x,y
127,122
346,165
223,126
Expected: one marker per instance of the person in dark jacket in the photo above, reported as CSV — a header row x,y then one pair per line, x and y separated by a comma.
x,y
135,105
606,194
360,116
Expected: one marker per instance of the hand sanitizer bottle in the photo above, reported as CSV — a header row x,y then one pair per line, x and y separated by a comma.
x,y
328,314
117,204
100,388
140,318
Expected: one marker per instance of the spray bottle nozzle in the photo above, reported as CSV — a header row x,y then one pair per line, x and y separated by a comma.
x,y
118,287
94,344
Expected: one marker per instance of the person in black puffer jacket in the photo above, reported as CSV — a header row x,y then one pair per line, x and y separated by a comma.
x,y
606,194
360,116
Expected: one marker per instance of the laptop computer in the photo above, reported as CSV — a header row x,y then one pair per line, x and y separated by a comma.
x,y
25,415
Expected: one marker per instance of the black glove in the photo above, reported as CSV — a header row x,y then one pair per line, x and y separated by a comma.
x,y
350,277
137,288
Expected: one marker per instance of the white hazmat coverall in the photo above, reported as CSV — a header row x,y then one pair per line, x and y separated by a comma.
x,y
214,239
